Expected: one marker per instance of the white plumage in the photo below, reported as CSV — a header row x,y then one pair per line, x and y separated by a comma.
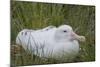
x,y
51,42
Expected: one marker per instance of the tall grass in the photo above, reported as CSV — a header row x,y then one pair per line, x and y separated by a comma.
x,y
38,15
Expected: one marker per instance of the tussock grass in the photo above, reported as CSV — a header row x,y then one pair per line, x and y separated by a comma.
x,y
39,15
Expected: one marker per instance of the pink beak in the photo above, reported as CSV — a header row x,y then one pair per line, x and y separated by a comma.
x,y
77,37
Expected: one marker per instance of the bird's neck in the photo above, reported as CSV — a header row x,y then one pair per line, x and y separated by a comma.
x,y
61,39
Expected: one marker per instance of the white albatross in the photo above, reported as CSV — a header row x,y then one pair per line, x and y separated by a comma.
x,y
51,42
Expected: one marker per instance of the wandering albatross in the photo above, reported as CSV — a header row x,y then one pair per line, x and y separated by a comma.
x,y
51,42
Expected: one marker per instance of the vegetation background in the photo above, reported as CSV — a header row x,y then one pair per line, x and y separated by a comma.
x,y
36,15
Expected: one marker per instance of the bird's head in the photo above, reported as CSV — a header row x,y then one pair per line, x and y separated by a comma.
x,y
66,32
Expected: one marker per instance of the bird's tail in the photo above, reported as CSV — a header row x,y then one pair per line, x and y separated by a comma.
x,y
18,41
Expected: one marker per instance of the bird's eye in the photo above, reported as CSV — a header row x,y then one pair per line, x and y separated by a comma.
x,y
64,31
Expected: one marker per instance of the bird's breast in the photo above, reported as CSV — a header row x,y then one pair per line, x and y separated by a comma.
x,y
65,48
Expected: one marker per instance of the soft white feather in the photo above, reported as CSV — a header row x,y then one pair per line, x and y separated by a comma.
x,y
50,42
